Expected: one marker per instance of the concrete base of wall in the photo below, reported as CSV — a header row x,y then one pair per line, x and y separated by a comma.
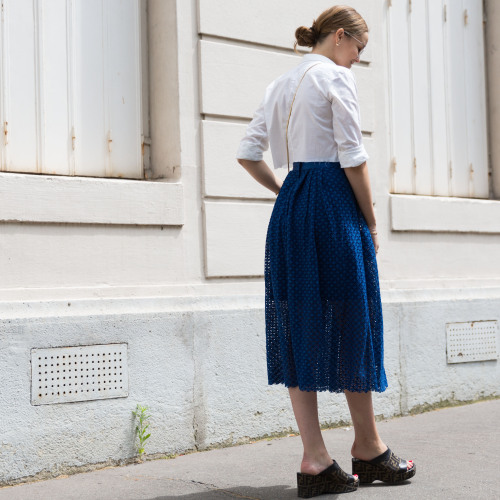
x,y
200,365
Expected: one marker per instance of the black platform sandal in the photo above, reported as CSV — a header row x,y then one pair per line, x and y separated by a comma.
x,y
387,467
331,480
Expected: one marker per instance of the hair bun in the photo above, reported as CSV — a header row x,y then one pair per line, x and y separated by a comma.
x,y
305,37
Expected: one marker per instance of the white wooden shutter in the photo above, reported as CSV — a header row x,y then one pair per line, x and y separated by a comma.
x,y
438,98
438,127
19,87
476,178
71,88
401,102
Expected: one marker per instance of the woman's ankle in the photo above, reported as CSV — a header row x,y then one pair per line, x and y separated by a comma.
x,y
368,449
314,463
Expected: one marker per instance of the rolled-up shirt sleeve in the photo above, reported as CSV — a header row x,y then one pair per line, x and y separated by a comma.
x,y
256,139
342,94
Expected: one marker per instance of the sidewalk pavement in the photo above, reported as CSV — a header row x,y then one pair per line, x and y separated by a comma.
x,y
455,451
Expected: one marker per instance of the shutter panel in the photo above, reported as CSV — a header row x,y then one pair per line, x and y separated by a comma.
x,y
124,84
54,67
91,118
475,84
420,79
438,98
71,89
19,87
402,134
457,110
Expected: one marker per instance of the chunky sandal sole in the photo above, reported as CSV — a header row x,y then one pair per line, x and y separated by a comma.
x,y
311,485
367,473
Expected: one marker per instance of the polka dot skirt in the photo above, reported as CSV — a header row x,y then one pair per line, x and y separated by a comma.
x,y
324,329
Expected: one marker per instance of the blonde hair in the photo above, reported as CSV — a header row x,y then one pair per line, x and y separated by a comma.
x,y
339,16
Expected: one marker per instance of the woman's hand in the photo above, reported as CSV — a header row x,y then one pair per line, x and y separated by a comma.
x,y
375,242
374,235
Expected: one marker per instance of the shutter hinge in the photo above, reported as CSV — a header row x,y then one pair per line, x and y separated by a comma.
x,y
73,138
445,17
146,141
110,141
450,170
466,17
394,164
393,174
409,5
389,3
6,133
471,181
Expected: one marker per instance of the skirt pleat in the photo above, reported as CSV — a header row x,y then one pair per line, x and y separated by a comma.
x,y
324,328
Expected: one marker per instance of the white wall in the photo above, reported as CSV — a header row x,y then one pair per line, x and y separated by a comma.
x,y
212,120
186,293
199,363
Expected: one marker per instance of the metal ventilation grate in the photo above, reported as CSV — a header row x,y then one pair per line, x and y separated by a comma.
x,y
80,373
472,341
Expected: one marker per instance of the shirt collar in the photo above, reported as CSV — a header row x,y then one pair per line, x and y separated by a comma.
x,y
316,57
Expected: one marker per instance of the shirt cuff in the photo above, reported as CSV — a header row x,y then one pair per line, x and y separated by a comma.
x,y
353,157
248,151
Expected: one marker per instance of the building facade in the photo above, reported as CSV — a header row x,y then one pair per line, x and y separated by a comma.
x,y
132,242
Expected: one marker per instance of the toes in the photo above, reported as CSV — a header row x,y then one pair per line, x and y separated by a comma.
x,y
410,464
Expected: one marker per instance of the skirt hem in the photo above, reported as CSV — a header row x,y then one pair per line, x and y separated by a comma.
x,y
330,389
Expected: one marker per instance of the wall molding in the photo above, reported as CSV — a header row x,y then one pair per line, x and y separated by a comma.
x,y
89,200
444,214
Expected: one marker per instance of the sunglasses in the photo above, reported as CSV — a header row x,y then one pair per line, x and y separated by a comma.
x,y
359,41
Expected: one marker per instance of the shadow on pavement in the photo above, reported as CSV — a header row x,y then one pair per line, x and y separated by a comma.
x,y
263,493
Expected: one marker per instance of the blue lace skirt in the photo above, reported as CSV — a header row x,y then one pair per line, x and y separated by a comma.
x,y
324,329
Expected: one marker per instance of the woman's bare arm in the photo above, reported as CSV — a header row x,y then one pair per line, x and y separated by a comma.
x,y
360,182
261,172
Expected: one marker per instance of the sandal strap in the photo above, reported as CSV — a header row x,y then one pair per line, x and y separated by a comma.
x,y
332,468
383,457
390,460
337,471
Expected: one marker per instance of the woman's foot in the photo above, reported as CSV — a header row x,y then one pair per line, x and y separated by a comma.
x,y
369,451
315,465
387,467
330,480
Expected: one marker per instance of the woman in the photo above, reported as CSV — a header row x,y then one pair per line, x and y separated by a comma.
x,y
324,327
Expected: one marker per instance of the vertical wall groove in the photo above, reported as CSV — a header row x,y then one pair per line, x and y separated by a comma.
x,y
493,73
390,86
39,85
2,87
466,93
412,112
429,105
5,84
139,77
106,85
447,100
72,139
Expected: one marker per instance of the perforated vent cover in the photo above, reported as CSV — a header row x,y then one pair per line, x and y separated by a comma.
x,y
472,341
80,373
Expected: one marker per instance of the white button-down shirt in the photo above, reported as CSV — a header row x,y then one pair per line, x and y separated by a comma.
x,y
325,119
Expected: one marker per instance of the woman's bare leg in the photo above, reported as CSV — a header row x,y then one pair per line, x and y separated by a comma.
x,y
367,443
305,407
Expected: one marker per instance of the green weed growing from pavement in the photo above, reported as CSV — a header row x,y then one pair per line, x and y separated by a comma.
x,y
142,416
